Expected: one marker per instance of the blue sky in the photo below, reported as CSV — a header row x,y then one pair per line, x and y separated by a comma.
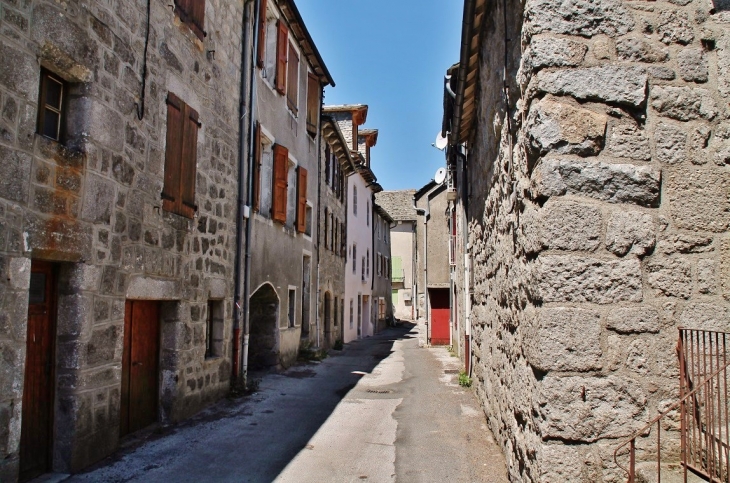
x,y
391,55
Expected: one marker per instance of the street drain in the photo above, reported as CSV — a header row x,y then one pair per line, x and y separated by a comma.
x,y
379,391
451,371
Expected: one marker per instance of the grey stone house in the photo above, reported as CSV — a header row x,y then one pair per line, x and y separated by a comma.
x,y
400,207
336,165
119,166
381,270
289,79
588,149
431,262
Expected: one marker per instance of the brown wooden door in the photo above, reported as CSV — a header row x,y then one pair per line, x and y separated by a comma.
x,y
36,433
140,365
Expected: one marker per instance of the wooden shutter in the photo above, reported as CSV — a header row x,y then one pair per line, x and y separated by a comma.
x,y
313,90
257,168
282,44
280,183
192,13
181,155
292,86
189,163
261,48
301,199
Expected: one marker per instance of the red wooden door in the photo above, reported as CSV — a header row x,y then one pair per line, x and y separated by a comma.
x,y
439,300
36,433
140,365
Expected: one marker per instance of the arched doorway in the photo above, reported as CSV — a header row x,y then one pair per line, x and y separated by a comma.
x,y
264,318
328,319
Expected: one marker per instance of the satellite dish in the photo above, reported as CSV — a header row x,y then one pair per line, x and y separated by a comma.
x,y
441,141
440,175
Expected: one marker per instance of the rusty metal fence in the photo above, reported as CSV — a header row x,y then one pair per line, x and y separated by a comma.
x,y
705,425
704,412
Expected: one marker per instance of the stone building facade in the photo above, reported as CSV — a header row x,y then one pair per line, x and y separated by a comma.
x,y
381,268
289,79
117,216
400,207
433,275
589,147
336,164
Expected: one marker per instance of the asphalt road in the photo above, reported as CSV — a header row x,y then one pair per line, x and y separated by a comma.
x,y
383,409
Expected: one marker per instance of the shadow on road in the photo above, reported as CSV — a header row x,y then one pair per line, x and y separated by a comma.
x,y
253,438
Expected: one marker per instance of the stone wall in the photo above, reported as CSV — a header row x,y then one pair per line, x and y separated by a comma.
x,y
92,205
598,221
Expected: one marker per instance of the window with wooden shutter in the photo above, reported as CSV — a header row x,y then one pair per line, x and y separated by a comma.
x,y
292,83
282,44
258,148
301,199
178,193
313,92
261,47
280,184
192,13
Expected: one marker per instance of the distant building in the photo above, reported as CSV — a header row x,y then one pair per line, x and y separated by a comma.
x,y
382,286
432,262
335,166
401,208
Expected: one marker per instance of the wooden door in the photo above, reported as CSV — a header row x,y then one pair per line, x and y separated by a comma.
x,y
36,433
439,299
140,365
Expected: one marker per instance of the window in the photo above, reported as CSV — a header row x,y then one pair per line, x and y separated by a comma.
x,y
262,172
354,200
352,309
331,232
302,208
313,92
52,105
178,193
261,53
359,314
367,214
280,183
327,164
367,264
292,306
381,308
214,330
379,264
362,269
354,258
292,84
335,314
326,228
192,13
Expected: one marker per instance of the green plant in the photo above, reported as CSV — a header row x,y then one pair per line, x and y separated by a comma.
x,y
464,379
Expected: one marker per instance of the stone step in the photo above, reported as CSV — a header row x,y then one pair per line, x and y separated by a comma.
x,y
671,473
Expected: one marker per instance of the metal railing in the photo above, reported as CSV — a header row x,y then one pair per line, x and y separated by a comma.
x,y
704,422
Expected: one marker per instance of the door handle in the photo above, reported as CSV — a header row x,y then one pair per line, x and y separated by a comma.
x,y
136,364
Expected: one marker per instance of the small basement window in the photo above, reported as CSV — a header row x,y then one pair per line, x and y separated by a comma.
x,y
214,329
51,105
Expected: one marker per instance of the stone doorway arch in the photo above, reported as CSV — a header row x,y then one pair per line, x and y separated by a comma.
x,y
264,323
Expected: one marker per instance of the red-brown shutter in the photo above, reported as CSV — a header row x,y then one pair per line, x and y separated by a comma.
x,y
257,169
188,163
173,153
192,13
292,86
181,154
301,199
282,44
313,90
261,48
280,183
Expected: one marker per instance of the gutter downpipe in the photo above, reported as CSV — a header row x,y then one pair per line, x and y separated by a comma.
x,y
237,309
319,207
425,213
249,223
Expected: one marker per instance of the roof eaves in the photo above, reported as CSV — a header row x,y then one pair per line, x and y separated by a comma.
x,y
310,49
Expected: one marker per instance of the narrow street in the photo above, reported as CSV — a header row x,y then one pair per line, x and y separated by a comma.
x,y
383,409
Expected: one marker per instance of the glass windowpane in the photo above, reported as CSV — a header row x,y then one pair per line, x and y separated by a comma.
x,y
54,93
50,124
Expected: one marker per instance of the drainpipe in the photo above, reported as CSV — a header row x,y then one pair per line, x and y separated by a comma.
x,y
319,200
251,66
425,213
242,208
